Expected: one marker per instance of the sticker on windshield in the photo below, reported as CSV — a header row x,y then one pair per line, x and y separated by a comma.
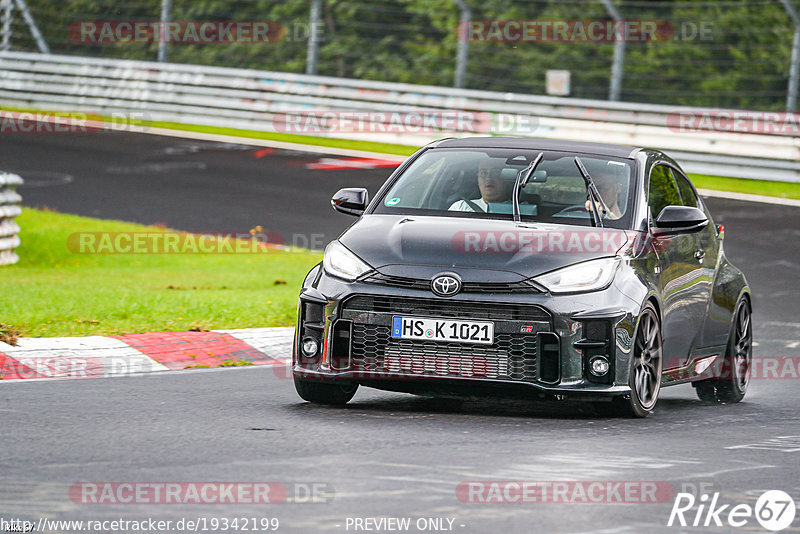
x,y
393,201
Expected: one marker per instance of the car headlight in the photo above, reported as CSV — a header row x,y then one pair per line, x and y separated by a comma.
x,y
339,261
587,276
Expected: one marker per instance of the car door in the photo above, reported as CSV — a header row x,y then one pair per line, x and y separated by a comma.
x,y
680,278
706,255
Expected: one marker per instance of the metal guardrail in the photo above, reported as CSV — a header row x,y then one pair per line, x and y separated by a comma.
x,y
9,209
257,100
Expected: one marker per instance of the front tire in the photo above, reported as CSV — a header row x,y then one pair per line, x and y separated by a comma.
x,y
337,394
645,369
731,386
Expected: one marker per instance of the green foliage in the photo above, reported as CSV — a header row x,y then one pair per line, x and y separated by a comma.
x,y
721,54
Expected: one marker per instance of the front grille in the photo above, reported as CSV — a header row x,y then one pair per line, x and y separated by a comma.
x,y
510,357
435,307
467,287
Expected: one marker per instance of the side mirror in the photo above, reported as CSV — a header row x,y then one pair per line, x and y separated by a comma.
x,y
680,220
351,201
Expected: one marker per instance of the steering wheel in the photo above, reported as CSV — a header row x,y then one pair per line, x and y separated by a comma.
x,y
572,209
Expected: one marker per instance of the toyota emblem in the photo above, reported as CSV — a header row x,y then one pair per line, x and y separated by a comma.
x,y
446,285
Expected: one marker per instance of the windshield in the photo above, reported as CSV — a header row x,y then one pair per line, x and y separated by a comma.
x,y
479,183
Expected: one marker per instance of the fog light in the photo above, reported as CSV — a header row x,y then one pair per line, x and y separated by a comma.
x,y
599,365
310,347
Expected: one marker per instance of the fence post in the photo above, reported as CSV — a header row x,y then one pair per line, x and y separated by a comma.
x,y
37,35
615,88
463,43
9,208
166,8
6,20
794,67
313,36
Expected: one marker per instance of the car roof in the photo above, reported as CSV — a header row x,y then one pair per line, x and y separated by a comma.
x,y
600,149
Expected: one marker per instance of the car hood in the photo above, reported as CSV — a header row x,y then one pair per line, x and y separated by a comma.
x,y
477,249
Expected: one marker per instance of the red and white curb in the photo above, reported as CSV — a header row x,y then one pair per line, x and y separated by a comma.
x,y
136,354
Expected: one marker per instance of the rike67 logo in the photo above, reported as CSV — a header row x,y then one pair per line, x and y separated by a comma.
x,y
774,511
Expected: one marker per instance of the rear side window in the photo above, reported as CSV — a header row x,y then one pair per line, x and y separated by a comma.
x,y
687,193
663,191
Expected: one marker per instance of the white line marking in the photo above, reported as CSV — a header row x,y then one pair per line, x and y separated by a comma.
x,y
750,198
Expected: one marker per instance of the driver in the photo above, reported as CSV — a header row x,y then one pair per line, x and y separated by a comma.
x,y
609,187
493,188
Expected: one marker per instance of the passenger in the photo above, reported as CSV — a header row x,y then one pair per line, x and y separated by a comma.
x,y
609,187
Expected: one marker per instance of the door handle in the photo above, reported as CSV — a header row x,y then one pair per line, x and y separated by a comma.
x,y
699,254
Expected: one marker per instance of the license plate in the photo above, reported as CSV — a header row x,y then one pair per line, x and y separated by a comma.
x,y
442,330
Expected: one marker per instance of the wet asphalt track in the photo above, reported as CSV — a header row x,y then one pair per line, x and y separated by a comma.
x,y
385,454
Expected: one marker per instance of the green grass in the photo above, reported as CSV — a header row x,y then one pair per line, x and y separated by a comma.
x,y
740,185
235,363
55,292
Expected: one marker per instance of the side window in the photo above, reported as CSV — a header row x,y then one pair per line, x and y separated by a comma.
x,y
687,193
663,191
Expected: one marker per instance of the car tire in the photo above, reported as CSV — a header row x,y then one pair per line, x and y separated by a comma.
x,y
645,368
731,386
335,394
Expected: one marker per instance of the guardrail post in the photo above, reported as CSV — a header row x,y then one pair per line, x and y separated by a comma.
x,y
615,88
166,8
37,35
463,43
794,68
6,19
9,208
313,36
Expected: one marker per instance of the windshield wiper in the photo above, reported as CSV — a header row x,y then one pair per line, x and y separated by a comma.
x,y
522,180
594,196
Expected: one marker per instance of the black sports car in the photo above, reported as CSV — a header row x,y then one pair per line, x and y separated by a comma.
x,y
526,267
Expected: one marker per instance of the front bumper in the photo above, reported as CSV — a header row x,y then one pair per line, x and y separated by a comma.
x,y
543,343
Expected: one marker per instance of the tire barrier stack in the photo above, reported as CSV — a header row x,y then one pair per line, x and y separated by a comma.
x,y
9,209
